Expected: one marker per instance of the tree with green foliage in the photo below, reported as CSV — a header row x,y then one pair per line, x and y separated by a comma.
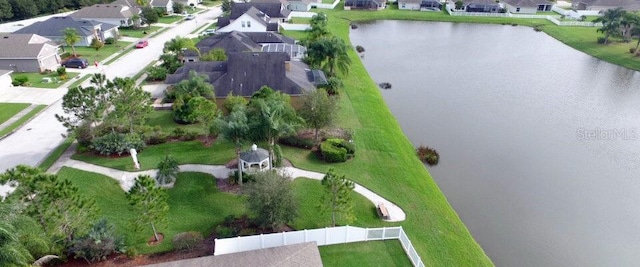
x,y
137,19
330,54
149,15
611,22
170,62
168,169
216,54
86,104
12,252
96,44
271,199
178,45
56,205
142,2
333,86
204,112
226,7
24,9
459,5
235,128
131,104
5,10
150,203
232,102
337,197
271,117
71,37
185,90
628,21
318,110
178,8
318,28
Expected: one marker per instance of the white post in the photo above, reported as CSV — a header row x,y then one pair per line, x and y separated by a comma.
x,y
284,239
326,236
346,236
134,156
305,235
383,231
261,241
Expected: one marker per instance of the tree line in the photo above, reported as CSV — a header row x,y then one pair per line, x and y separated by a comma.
x,y
25,9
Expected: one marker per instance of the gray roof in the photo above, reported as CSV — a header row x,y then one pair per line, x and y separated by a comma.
x,y
254,156
258,15
243,74
22,45
363,3
303,254
153,3
273,10
55,25
106,11
235,41
526,3
626,4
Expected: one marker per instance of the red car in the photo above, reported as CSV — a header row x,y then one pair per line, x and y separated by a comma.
x,y
142,44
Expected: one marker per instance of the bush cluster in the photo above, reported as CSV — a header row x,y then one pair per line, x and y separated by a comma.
x,y
428,155
110,40
20,81
245,177
152,135
157,73
187,240
296,141
117,143
336,150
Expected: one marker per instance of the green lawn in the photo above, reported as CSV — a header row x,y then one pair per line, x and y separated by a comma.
x,y
211,2
8,110
328,1
386,253
164,119
169,19
35,79
22,120
195,204
55,154
309,193
298,20
92,55
138,33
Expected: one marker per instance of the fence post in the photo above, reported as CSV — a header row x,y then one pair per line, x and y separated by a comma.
x,y
305,235
326,235
384,229
346,235
366,236
284,239
261,241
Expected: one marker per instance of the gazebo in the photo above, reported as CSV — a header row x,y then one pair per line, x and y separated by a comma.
x,y
255,156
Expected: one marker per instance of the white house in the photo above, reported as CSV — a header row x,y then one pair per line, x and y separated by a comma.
x,y
121,15
527,6
53,28
251,21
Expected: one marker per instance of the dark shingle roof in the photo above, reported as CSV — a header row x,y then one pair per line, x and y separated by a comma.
x,y
526,3
245,73
257,15
303,254
22,45
269,37
273,10
236,41
626,4
223,21
55,25
254,156
272,27
106,11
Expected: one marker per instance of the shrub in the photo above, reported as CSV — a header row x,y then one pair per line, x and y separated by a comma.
x,y
168,169
117,143
224,232
178,133
110,40
100,242
245,178
186,240
428,155
20,80
157,73
132,252
190,135
61,71
336,150
602,40
296,141
152,135
632,50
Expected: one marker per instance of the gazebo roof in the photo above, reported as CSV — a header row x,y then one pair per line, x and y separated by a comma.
x,y
255,155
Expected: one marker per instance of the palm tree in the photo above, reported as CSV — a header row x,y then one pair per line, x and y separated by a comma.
x,y
330,53
611,21
178,45
12,253
71,37
141,2
235,128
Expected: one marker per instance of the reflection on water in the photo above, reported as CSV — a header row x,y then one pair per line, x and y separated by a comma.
x,y
538,142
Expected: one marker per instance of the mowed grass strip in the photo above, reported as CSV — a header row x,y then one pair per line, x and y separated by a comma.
x,y
8,110
24,119
388,253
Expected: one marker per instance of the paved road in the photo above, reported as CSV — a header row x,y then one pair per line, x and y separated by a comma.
x,y
32,143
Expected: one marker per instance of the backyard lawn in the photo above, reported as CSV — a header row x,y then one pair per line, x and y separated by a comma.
x,y
298,20
138,33
92,55
386,253
35,78
22,120
8,110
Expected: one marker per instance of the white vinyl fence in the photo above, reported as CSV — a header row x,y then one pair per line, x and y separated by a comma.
x,y
325,6
322,237
295,27
301,14
553,18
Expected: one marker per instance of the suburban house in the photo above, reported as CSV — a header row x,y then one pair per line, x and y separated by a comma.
x,y
5,78
487,6
365,4
236,41
303,254
244,73
253,20
423,5
527,6
602,5
120,15
28,53
188,2
292,5
164,5
88,30
277,12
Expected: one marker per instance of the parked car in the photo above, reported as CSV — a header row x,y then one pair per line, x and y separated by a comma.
x,y
79,63
208,32
142,44
190,17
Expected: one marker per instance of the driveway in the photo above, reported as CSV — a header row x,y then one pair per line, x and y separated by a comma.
x,y
34,141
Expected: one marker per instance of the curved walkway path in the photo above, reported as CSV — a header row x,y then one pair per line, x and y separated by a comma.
x,y
126,179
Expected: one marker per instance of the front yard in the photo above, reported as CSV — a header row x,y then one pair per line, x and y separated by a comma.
x,y
170,19
37,79
92,55
139,32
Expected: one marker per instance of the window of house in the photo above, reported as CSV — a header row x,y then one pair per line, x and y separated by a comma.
x,y
403,5
248,24
243,24
517,9
122,22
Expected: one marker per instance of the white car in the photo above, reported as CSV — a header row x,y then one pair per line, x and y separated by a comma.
x,y
208,32
190,17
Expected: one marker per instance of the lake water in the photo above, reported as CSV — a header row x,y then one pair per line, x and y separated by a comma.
x,y
539,143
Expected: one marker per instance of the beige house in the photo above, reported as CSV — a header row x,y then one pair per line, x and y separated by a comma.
x,y
28,53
